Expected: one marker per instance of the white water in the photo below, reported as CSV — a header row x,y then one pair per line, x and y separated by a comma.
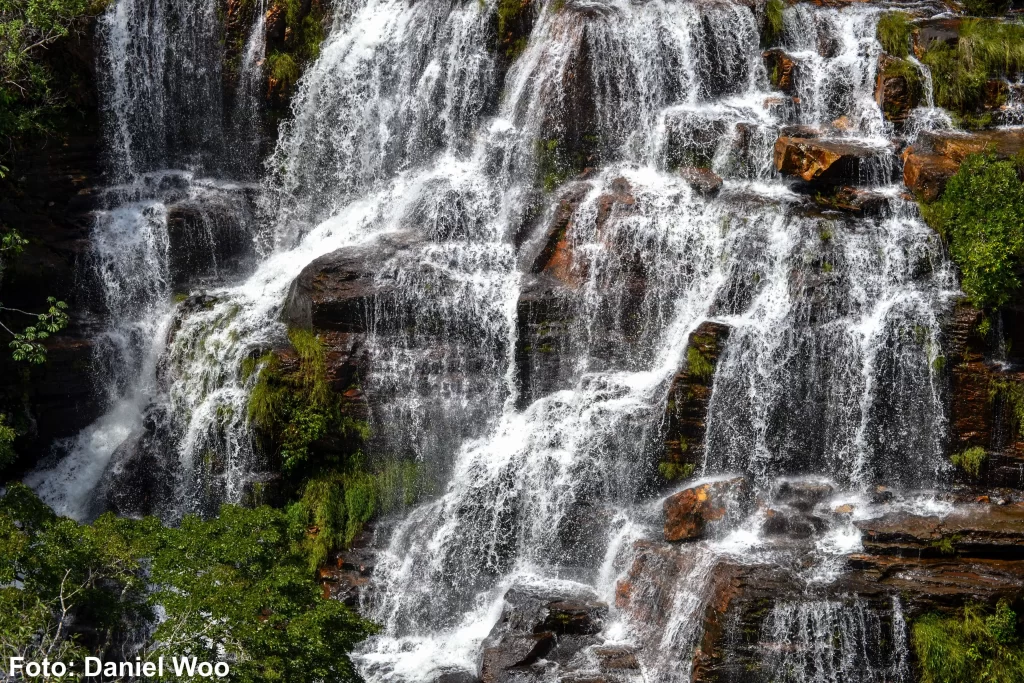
x,y
402,127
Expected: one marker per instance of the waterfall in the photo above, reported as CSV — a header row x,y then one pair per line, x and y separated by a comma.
x,y
415,140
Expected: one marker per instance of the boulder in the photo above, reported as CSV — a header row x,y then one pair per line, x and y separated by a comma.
x,y
826,161
696,512
706,182
982,530
208,239
538,626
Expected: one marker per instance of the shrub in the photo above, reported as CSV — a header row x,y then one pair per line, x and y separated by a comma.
x,y
981,216
894,30
986,8
974,646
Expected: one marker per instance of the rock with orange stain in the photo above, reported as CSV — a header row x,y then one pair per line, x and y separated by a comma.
x,y
693,513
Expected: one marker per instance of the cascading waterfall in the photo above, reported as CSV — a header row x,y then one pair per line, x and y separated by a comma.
x,y
412,137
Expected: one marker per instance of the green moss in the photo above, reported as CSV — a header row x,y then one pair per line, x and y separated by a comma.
x,y
981,216
1011,394
283,68
510,14
698,365
973,646
970,460
986,49
334,507
773,28
296,410
946,545
894,31
676,471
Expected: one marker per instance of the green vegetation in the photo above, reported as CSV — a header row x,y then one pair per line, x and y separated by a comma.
x,y
773,22
981,216
894,31
698,365
674,471
511,15
972,646
26,344
335,506
7,436
970,460
31,95
282,68
986,49
1011,394
294,410
236,588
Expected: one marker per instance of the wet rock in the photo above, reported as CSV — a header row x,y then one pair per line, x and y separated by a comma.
x,y
697,512
346,575
707,183
803,495
338,291
826,161
985,531
898,88
687,401
536,625
931,31
792,523
551,250
853,200
781,70
931,161
138,477
207,240
457,677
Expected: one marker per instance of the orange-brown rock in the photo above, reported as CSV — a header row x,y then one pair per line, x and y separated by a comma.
x,y
822,160
707,183
691,513
926,174
931,161
781,69
896,94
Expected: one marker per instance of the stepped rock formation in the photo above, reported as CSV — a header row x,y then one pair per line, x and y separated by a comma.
x,y
636,286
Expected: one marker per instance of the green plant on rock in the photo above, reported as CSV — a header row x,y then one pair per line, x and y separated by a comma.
x,y
774,24
334,507
986,49
698,365
509,13
970,460
981,216
974,645
674,471
908,71
894,31
294,410
1011,394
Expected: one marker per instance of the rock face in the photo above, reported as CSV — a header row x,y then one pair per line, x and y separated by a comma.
x,y
687,401
208,240
707,183
697,512
930,162
826,161
781,70
539,631
897,88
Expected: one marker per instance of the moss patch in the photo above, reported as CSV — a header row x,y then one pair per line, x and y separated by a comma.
x,y
698,365
771,32
970,460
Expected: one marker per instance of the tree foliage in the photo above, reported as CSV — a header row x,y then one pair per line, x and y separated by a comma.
x,y
975,646
236,588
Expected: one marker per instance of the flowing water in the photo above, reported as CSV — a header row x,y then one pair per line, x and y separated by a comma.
x,y
412,136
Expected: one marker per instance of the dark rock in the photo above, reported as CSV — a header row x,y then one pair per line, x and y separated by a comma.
x,y
536,626
706,182
208,240
896,94
139,476
457,677
687,402
983,531
853,200
697,512
802,495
